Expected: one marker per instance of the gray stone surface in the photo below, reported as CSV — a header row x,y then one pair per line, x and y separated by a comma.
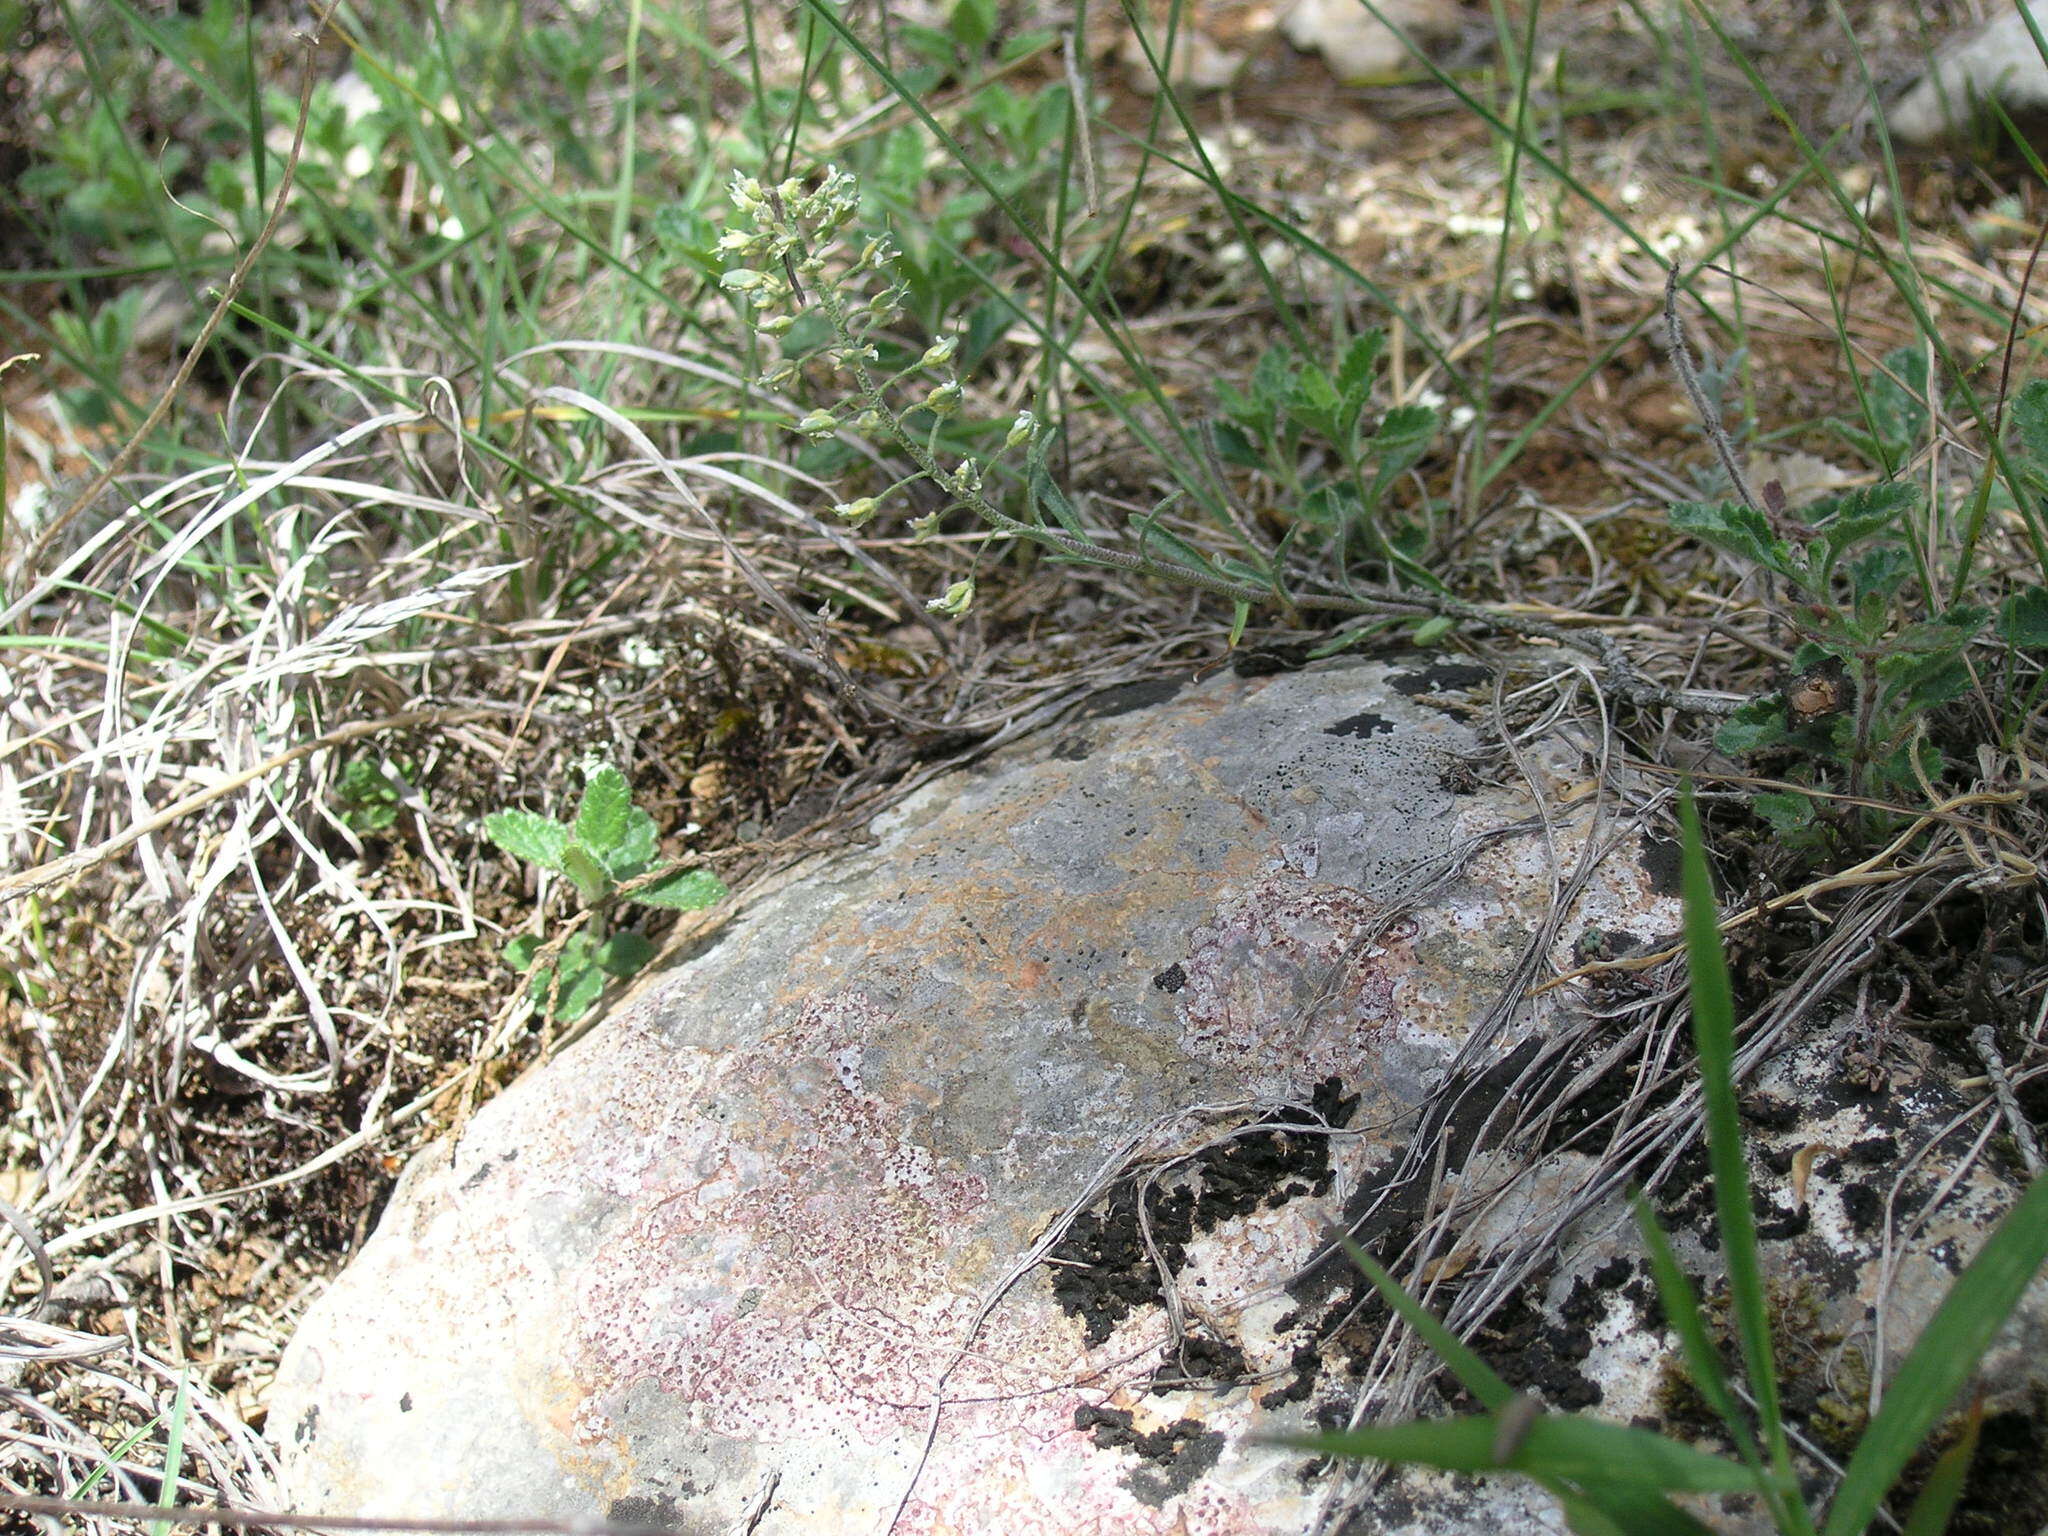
x,y
1998,61
742,1237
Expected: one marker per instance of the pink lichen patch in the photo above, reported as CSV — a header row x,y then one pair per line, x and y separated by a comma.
x,y
823,1224
1277,988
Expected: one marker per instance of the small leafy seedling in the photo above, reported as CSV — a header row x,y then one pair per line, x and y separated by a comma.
x,y
606,854
1307,429
369,795
1883,632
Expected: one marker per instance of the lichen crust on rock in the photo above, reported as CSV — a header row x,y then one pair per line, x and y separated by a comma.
x,y
1176,976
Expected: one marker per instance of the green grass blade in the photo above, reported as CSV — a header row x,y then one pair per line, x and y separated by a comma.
x,y
1942,1362
1585,1451
1473,1373
1682,1308
1713,1023
174,1453
1936,1505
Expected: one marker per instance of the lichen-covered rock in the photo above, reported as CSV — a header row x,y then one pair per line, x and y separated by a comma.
x,y
969,1173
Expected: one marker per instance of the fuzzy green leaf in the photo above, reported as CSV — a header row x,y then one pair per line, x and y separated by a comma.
x,y
1864,511
624,954
1361,366
1730,525
1785,812
636,848
1316,404
2024,618
601,814
687,890
1756,725
2029,411
586,873
528,836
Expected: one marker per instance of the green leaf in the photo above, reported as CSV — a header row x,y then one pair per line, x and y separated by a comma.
x,y
2030,422
1785,812
1317,405
1241,407
2023,620
1947,1354
584,871
527,836
1713,1030
1921,682
601,815
1357,373
1402,437
973,23
1879,573
1239,613
1149,532
1431,630
1571,1447
636,847
1046,493
1943,1490
580,988
1756,725
1273,381
1233,447
1730,525
519,951
687,890
1682,1310
624,954
1864,511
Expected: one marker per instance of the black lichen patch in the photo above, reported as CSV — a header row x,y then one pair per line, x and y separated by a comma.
x,y
1172,979
1179,1454
1101,1271
1126,697
1661,861
1534,1354
1864,1206
1200,1361
2006,1493
652,1511
1362,725
1442,677
1383,1211
1306,1364
1072,749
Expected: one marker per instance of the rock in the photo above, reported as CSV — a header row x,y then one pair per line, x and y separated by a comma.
x,y
882,1146
1211,40
1866,1213
1999,62
1360,47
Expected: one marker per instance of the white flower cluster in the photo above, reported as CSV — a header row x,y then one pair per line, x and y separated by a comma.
x,y
788,256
